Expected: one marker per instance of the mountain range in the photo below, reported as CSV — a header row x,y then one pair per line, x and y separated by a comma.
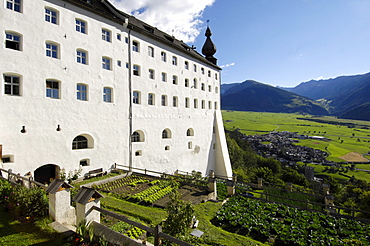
x,y
344,96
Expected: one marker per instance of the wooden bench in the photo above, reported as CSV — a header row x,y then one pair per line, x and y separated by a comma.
x,y
95,172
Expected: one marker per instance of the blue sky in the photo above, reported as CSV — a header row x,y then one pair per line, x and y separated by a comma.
x,y
277,42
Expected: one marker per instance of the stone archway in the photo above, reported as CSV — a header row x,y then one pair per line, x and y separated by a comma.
x,y
44,173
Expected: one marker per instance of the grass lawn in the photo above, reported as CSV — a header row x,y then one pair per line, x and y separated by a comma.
x,y
344,139
204,213
13,232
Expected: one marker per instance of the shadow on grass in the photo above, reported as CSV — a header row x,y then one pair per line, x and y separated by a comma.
x,y
14,232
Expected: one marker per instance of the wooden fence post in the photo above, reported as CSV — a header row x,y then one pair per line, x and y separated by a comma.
x,y
157,239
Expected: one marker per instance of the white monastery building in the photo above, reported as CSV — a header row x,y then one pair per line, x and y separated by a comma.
x,y
85,85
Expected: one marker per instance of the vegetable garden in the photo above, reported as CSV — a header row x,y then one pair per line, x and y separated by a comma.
x,y
283,225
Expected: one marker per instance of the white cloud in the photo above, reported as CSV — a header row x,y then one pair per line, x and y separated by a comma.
x,y
228,65
178,18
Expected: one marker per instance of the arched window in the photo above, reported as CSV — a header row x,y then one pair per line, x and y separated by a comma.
x,y
166,133
190,132
137,136
80,142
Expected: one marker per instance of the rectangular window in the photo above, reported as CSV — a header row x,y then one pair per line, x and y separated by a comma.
x,y
164,77
150,99
135,46
106,35
52,89
107,94
119,36
51,16
174,102
164,100
12,85
136,97
187,65
186,102
14,5
163,56
80,26
195,67
106,62
151,74
81,57
174,60
52,50
12,41
150,51
136,70
174,79
82,92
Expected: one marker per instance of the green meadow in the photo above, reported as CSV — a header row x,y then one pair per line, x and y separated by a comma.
x,y
344,139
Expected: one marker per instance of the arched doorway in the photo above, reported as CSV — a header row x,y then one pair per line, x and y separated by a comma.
x,y
44,173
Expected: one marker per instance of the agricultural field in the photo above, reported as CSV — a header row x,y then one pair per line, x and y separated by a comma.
x,y
349,140
281,225
148,191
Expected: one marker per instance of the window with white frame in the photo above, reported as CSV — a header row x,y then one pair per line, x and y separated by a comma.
x,y
175,101
216,76
14,5
164,77
85,162
106,63
136,70
150,51
163,56
52,88
164,100
209,104
151,99
210,88
202,70
190,145
195,84
80,142
80,26
187,102
82,92
52,50
106,35
51,15
151,74
7,159
216,89
195,103
107,94
166,133
203,104
174,80
189,132
216,106
135,46
12,85
186,82
174,60
203,87
137,136
13,41
209,73
81,56
136,97
119,36
195,67
186,65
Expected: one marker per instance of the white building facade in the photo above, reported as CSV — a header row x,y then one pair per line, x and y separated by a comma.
x,y
86,86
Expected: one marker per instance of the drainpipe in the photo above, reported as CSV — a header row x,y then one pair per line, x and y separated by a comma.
x,y
130,96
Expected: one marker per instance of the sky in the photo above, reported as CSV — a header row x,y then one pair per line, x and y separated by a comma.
x,y
276,42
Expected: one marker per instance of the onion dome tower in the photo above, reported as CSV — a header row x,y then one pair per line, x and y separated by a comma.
x,y
209,48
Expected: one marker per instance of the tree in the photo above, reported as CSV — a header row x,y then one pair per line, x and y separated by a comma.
x,y
179,217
